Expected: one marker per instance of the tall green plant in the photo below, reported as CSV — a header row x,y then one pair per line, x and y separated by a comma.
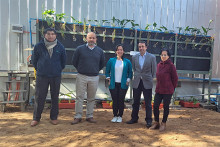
x,y
206,30
133,24
154,25
147,26
49,16
75,21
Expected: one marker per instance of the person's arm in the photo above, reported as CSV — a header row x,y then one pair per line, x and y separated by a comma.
x,y
63,58
154,67
102,61
130,73
108,71
133,63
174,76
35,56
75,58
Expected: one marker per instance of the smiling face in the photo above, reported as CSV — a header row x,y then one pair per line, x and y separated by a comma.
x,y
142,48
164,56
91,39
50,36
120,51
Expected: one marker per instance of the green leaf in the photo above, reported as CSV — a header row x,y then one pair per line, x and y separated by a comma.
x,y
155,24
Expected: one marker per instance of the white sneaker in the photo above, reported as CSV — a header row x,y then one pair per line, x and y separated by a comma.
x,y
119,120
114,119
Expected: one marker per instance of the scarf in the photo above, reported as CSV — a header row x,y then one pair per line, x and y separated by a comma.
x,y
50,46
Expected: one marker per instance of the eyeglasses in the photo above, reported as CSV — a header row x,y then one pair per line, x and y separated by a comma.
x,y
163,55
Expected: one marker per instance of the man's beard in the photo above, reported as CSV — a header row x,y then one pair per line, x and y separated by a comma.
x,y
91,44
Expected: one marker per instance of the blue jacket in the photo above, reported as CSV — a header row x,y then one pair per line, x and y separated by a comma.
x,y
46,66
110,72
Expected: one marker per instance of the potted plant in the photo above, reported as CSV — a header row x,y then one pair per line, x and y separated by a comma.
x,y
192,103
143,105
107,104
66,101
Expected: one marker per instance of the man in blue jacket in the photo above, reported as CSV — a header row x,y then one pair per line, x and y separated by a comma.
x,y
48,58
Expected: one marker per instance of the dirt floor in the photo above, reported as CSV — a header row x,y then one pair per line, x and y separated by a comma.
x,y
185,127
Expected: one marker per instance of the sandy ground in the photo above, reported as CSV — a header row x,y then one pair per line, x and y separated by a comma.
x,y
185,127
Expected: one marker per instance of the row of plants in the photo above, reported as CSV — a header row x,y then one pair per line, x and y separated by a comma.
x,y
74,34
156,39
51,16
68,102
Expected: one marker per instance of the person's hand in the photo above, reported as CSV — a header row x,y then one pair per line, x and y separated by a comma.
x,y
108,81
127,83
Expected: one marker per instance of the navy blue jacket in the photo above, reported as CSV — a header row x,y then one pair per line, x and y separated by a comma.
x,y
46,66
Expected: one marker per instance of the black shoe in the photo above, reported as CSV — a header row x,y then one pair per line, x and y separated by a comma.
x,y
148,125
131,121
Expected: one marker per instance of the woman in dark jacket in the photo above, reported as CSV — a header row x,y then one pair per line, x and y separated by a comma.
x,y
166,83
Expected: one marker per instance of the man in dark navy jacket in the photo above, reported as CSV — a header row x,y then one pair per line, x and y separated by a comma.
x,y
48,58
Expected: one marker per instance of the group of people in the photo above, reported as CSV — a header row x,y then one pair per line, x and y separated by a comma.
x,y
49,59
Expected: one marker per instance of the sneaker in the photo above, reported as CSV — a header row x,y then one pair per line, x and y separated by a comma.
x,y
119,120
114,119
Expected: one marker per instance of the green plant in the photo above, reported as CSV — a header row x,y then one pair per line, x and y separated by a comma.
x,y
193,100
206,30
60,17
68,95
99,22
123,22
105,21
113,21
75,21
63,29
187,30
163,29
49,16
179,29
154,25
195,31
147,26
133,25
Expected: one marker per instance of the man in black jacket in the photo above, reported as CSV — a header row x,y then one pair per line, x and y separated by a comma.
x,y
88,59
48,58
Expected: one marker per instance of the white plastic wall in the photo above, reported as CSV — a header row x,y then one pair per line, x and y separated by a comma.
x,y
170,13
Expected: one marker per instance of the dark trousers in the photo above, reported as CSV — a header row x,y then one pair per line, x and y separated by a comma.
x,y
42,84
118,97
166,102
147,98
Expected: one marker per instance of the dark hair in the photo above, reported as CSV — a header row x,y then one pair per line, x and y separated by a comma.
x,y
165,49
141,41
49,29
116,48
